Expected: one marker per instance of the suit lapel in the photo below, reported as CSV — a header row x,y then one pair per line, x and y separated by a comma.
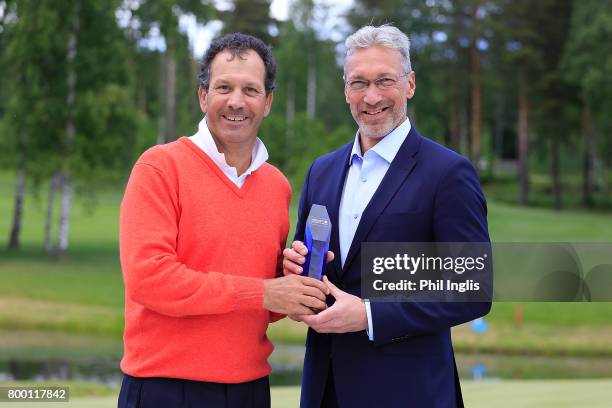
x,y
398,171
337,185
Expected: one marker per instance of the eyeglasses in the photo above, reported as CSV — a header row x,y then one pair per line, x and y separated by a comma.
x,y
382,83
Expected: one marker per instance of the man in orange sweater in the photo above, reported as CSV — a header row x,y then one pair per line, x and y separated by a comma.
x,y
203,224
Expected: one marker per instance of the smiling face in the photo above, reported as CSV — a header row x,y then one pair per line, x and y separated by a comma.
x,y
377,111
235,102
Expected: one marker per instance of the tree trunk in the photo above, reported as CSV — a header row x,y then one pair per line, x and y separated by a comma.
x,y
499,130
475,91
290,112
142,95
18,210
606,178
555,173
64,220
311,90
455,115
65,184
523,140
170,62
587,159
53,186
289,120
195,68
464,118
454,126
457,105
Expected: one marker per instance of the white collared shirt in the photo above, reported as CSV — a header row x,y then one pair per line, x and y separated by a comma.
x,y
365,174
204,140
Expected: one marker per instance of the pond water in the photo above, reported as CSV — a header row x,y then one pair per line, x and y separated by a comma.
x,y
287,365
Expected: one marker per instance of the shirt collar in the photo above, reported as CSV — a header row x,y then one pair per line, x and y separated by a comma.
x,y
204,140
387,147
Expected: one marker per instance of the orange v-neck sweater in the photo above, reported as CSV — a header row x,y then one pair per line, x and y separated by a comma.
x,y
195,249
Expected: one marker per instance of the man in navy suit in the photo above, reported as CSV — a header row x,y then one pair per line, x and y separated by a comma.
x,y
388,185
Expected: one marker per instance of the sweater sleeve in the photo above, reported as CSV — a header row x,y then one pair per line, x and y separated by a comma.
x,y
153,275
274,317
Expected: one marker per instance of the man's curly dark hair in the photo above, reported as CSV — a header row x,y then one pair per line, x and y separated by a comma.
x,y
238,44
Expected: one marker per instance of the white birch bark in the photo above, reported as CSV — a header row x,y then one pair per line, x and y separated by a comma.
x,y
65,180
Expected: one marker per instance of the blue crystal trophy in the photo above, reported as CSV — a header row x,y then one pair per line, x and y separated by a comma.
x,y
318,232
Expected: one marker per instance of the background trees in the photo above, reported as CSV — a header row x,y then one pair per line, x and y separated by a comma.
x,y
68,117
587,64
521,88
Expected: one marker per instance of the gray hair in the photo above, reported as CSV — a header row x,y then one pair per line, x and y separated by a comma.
x,y
386,36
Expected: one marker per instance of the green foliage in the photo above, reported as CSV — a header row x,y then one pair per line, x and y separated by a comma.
x,y
36,51
36,111
587,63
562,48
248,17
164,14
293,137
188,113
107,134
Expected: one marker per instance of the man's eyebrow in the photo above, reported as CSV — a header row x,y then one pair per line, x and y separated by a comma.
x,y
382,75
220,81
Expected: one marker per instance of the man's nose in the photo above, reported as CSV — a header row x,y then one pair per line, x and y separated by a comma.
x,y
372,94
236,99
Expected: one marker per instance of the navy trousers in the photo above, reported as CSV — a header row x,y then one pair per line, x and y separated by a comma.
x,y
177,393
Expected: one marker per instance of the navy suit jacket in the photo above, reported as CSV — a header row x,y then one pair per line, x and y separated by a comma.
x,y
429,194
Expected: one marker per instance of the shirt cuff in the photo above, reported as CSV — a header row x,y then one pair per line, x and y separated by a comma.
x,y
370,329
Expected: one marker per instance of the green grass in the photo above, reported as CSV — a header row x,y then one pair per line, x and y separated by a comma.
x,y
82,278
513,223
504,188
538,394
76,389
43,345
503,394
83,293
534,339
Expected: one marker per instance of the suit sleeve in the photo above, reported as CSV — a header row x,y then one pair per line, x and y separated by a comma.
x,y
303,206
459,216
153,275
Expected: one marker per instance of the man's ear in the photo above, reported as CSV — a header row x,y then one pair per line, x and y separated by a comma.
x,y
202,98
268,105
411,85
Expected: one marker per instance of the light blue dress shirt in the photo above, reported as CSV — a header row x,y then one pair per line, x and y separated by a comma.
x,y
365,173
